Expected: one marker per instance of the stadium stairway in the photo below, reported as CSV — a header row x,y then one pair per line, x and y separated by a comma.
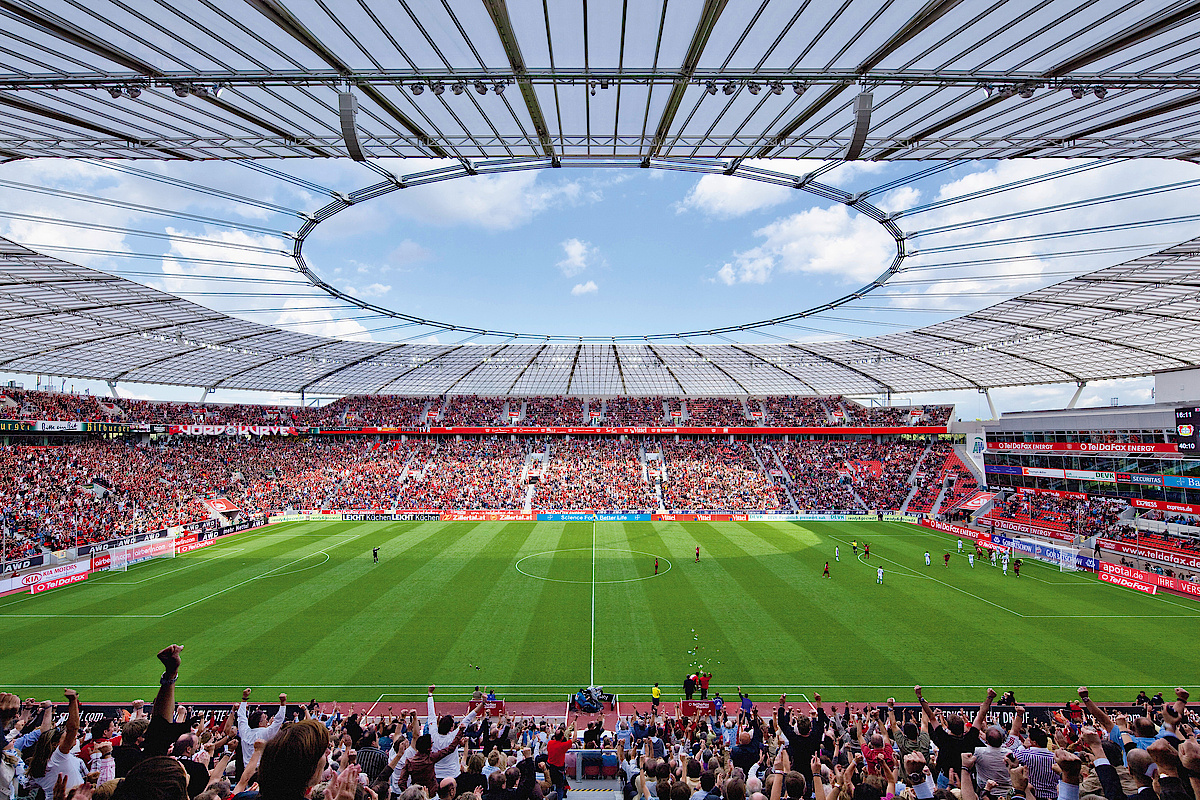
x,y
915,482
407,466
937,503
785,479
965,457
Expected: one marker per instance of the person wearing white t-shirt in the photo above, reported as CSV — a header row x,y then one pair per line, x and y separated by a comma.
x,y
52,755
251,728
443,731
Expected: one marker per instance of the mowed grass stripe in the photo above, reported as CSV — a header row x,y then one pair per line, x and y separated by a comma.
x,y
679,602
414,594
548,649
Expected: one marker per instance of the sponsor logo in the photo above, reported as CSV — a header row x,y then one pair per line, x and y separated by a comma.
x,y
50,573
1129,583
54,583
21,563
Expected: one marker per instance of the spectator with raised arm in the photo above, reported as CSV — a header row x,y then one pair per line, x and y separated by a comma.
x,y
52,756
253,727
952,736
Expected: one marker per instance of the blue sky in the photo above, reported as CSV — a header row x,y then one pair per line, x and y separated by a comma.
x,y
599,251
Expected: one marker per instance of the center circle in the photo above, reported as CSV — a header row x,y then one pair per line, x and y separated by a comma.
x,y
575,565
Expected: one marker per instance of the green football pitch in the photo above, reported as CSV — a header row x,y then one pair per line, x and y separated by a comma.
x,y
539,609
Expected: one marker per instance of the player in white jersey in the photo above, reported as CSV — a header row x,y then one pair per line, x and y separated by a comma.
x,y
960,547
879,575
1004,565
993,558
927,558
837,553
971,559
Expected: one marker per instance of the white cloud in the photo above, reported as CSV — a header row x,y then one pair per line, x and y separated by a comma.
x,y
372,290
851,248
578,257
409,252
724,196
304,314
900,199
584,288
491,202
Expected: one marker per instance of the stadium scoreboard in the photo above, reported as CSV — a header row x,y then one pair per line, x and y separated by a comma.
x,y
1186,420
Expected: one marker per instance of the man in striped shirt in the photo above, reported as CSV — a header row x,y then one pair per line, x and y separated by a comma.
x,y
1040,762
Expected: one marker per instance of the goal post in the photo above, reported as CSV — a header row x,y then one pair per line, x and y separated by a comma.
x,y
1062,556
120,559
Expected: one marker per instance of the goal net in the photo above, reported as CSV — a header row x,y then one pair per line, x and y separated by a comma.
x,y
122,558
1062,556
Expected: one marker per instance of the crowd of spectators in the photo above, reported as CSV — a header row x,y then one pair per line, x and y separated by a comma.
x,y
1170,519
1163,539
852,473
1079,515
716,475
633,411
600,474
964,486
99,488
378,411
166,413
933,469
554,411
704,411
467,410
22,404
469,473
817,476
798,412
276,751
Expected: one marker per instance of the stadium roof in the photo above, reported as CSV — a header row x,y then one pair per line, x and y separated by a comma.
x,y
729,79
1128,320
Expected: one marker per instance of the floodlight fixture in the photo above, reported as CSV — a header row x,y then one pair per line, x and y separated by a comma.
x,y
114,92
480,87
798,88
776,87
1026,91
730,87
710,87
458,88
437,87
133,92
1100,92
417,88
753,87
498,88
182,89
